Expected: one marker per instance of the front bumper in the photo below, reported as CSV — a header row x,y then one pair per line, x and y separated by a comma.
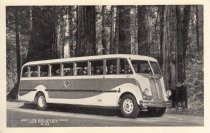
x,y
146,104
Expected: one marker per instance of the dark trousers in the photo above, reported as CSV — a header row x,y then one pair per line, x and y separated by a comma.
x,y
173,98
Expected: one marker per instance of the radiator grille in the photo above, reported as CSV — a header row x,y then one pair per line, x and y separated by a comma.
x,y
156,89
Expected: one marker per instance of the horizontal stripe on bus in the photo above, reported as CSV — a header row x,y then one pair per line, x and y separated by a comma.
x,y
108,76
77,84
86,85
27,90
85,90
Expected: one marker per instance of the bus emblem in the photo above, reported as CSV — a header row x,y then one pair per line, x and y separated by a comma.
x,y
67,84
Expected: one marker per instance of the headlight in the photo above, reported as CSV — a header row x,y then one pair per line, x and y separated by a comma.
x,y
146,95
168,93
146,92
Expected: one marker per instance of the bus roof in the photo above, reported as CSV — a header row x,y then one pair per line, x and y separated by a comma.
x,y
110,56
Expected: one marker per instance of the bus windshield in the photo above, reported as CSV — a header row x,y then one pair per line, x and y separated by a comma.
x,y
155,67
141,66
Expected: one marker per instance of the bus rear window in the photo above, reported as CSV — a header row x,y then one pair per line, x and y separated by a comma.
x,y
25,72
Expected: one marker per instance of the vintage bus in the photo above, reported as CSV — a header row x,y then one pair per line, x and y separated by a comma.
x,y
131,83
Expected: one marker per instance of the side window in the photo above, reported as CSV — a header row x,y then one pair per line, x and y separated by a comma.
x,y
33,71
81,68
55,70
97,67
25,71
43,70
124,67
111,66
68,69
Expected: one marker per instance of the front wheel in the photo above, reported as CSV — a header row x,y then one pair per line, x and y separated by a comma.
x,y
40,101
129,107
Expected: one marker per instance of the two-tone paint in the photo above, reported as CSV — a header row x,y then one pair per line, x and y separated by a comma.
x,y
94,90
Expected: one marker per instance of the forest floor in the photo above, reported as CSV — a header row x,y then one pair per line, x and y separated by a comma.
x,y
168,111
184,112
65,116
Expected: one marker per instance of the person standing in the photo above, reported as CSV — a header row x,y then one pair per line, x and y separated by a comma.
x,y
173,82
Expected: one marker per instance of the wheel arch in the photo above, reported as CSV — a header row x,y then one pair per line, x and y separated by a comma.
x,y
41,89
38,92
126,93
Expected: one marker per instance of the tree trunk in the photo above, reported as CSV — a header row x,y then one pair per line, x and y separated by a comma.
x,y
134,30
113,31
72,26
104,19
144,34
43,32
161,12
199,27
86,34
168,47
17,41
13,93
124,30
66,46
182,42
166,43
31,18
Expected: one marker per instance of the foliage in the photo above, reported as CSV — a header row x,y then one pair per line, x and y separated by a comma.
x,y
11,61
194,78
24,31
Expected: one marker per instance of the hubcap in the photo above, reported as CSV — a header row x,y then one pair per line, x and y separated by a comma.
x,y
128,106
41,101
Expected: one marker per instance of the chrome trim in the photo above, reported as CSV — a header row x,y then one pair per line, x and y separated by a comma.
x,y
155,104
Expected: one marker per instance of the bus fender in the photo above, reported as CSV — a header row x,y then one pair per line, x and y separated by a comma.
x,y
130,89
41,88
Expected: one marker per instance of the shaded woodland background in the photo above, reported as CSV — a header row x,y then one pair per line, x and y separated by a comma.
x,y
172,34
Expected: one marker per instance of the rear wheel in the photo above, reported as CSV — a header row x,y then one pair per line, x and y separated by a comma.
x,y
40,101
157,112
129,107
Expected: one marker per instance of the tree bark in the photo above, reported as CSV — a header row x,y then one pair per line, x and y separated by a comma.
x,y
124,30
166,44
134,30
104,19
161,12
112,29
86,34
72,30
182,42
43,32
199,27
114,38
67,37
144,34
17,41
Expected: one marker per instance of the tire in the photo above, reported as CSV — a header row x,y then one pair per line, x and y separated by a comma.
x,y
156,112
40,101
129,107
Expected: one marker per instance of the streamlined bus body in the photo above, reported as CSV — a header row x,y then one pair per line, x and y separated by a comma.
x,y
128,82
